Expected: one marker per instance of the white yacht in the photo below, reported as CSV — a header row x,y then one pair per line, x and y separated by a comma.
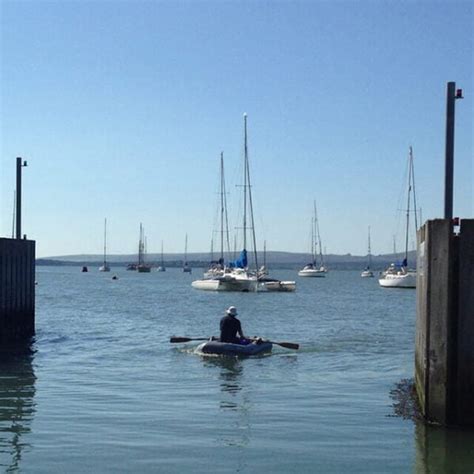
x,y
367,272
105,267
398,275
312,269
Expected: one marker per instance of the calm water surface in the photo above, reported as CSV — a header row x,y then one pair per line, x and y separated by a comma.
x,y
105,391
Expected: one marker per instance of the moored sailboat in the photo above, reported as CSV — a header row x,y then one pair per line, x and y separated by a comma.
x,y
186,267
312,269
236,276
399,275
162,267
367,272
217,267
142,267
105,267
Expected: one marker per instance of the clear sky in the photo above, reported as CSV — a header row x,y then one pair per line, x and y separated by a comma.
x,y
123,107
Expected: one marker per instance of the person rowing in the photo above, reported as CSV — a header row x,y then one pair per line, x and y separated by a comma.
x,y
230,326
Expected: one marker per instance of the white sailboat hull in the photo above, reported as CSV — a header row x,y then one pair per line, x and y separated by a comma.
x,y
238,280
226,285
367,274
206,285
104,268
277,285
312,273
398,280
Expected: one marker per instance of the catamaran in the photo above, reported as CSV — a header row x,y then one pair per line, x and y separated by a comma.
x,y
236,276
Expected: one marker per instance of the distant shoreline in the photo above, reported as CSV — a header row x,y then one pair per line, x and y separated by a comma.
x,y
276,260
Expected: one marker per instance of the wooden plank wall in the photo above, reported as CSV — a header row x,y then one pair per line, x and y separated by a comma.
x,y
444,348
464,401
17,290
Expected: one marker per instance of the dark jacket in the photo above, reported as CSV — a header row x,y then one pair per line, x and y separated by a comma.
x,y
230,326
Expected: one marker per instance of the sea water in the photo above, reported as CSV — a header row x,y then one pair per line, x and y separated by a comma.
x,y
105,391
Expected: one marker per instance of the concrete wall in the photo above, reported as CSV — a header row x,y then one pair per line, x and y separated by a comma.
x,y
444,353
17,290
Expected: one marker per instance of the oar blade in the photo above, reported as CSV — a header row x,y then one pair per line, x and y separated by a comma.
x,y
180,339
288,345
187,339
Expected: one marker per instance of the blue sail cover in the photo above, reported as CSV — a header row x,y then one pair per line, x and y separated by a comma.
x,y
241,262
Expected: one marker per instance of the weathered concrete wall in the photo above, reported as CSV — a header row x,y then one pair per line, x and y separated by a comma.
x,y
444,353
17,290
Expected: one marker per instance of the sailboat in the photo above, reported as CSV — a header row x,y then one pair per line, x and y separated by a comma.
x,y
186,267
263,270
142,267
236,276
312,269
162,267
367,272
105,267
398,275
217,267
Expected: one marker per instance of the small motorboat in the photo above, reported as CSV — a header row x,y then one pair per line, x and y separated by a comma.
x,y
227,348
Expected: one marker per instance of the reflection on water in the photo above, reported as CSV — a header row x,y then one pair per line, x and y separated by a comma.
x,y
234,402
442,450
17,390
230,375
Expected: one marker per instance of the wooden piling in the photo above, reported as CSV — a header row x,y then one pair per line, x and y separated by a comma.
x,y
17,291
444,352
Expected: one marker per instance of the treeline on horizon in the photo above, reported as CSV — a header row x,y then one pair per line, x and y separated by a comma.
x,y
281,260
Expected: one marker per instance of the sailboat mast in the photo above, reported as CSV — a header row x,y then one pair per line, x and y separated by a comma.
x,y
413,184
162,261
140,245
226,216
370,254
249,187
186,249
265,253
318,235
408,203
105,241
222,205
245,181
313,234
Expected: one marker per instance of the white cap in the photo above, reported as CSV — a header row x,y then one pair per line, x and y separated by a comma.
x,y
232,311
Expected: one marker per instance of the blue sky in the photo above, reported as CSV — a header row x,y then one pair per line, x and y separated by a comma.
x,y
123,107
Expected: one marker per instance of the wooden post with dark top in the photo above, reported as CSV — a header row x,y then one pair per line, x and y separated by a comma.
x,y
17,291
444,351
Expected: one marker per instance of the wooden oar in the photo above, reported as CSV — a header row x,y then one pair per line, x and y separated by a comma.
x,y
288,345
187,339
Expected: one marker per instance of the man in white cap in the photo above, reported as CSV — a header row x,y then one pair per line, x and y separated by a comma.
x,y
230,326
